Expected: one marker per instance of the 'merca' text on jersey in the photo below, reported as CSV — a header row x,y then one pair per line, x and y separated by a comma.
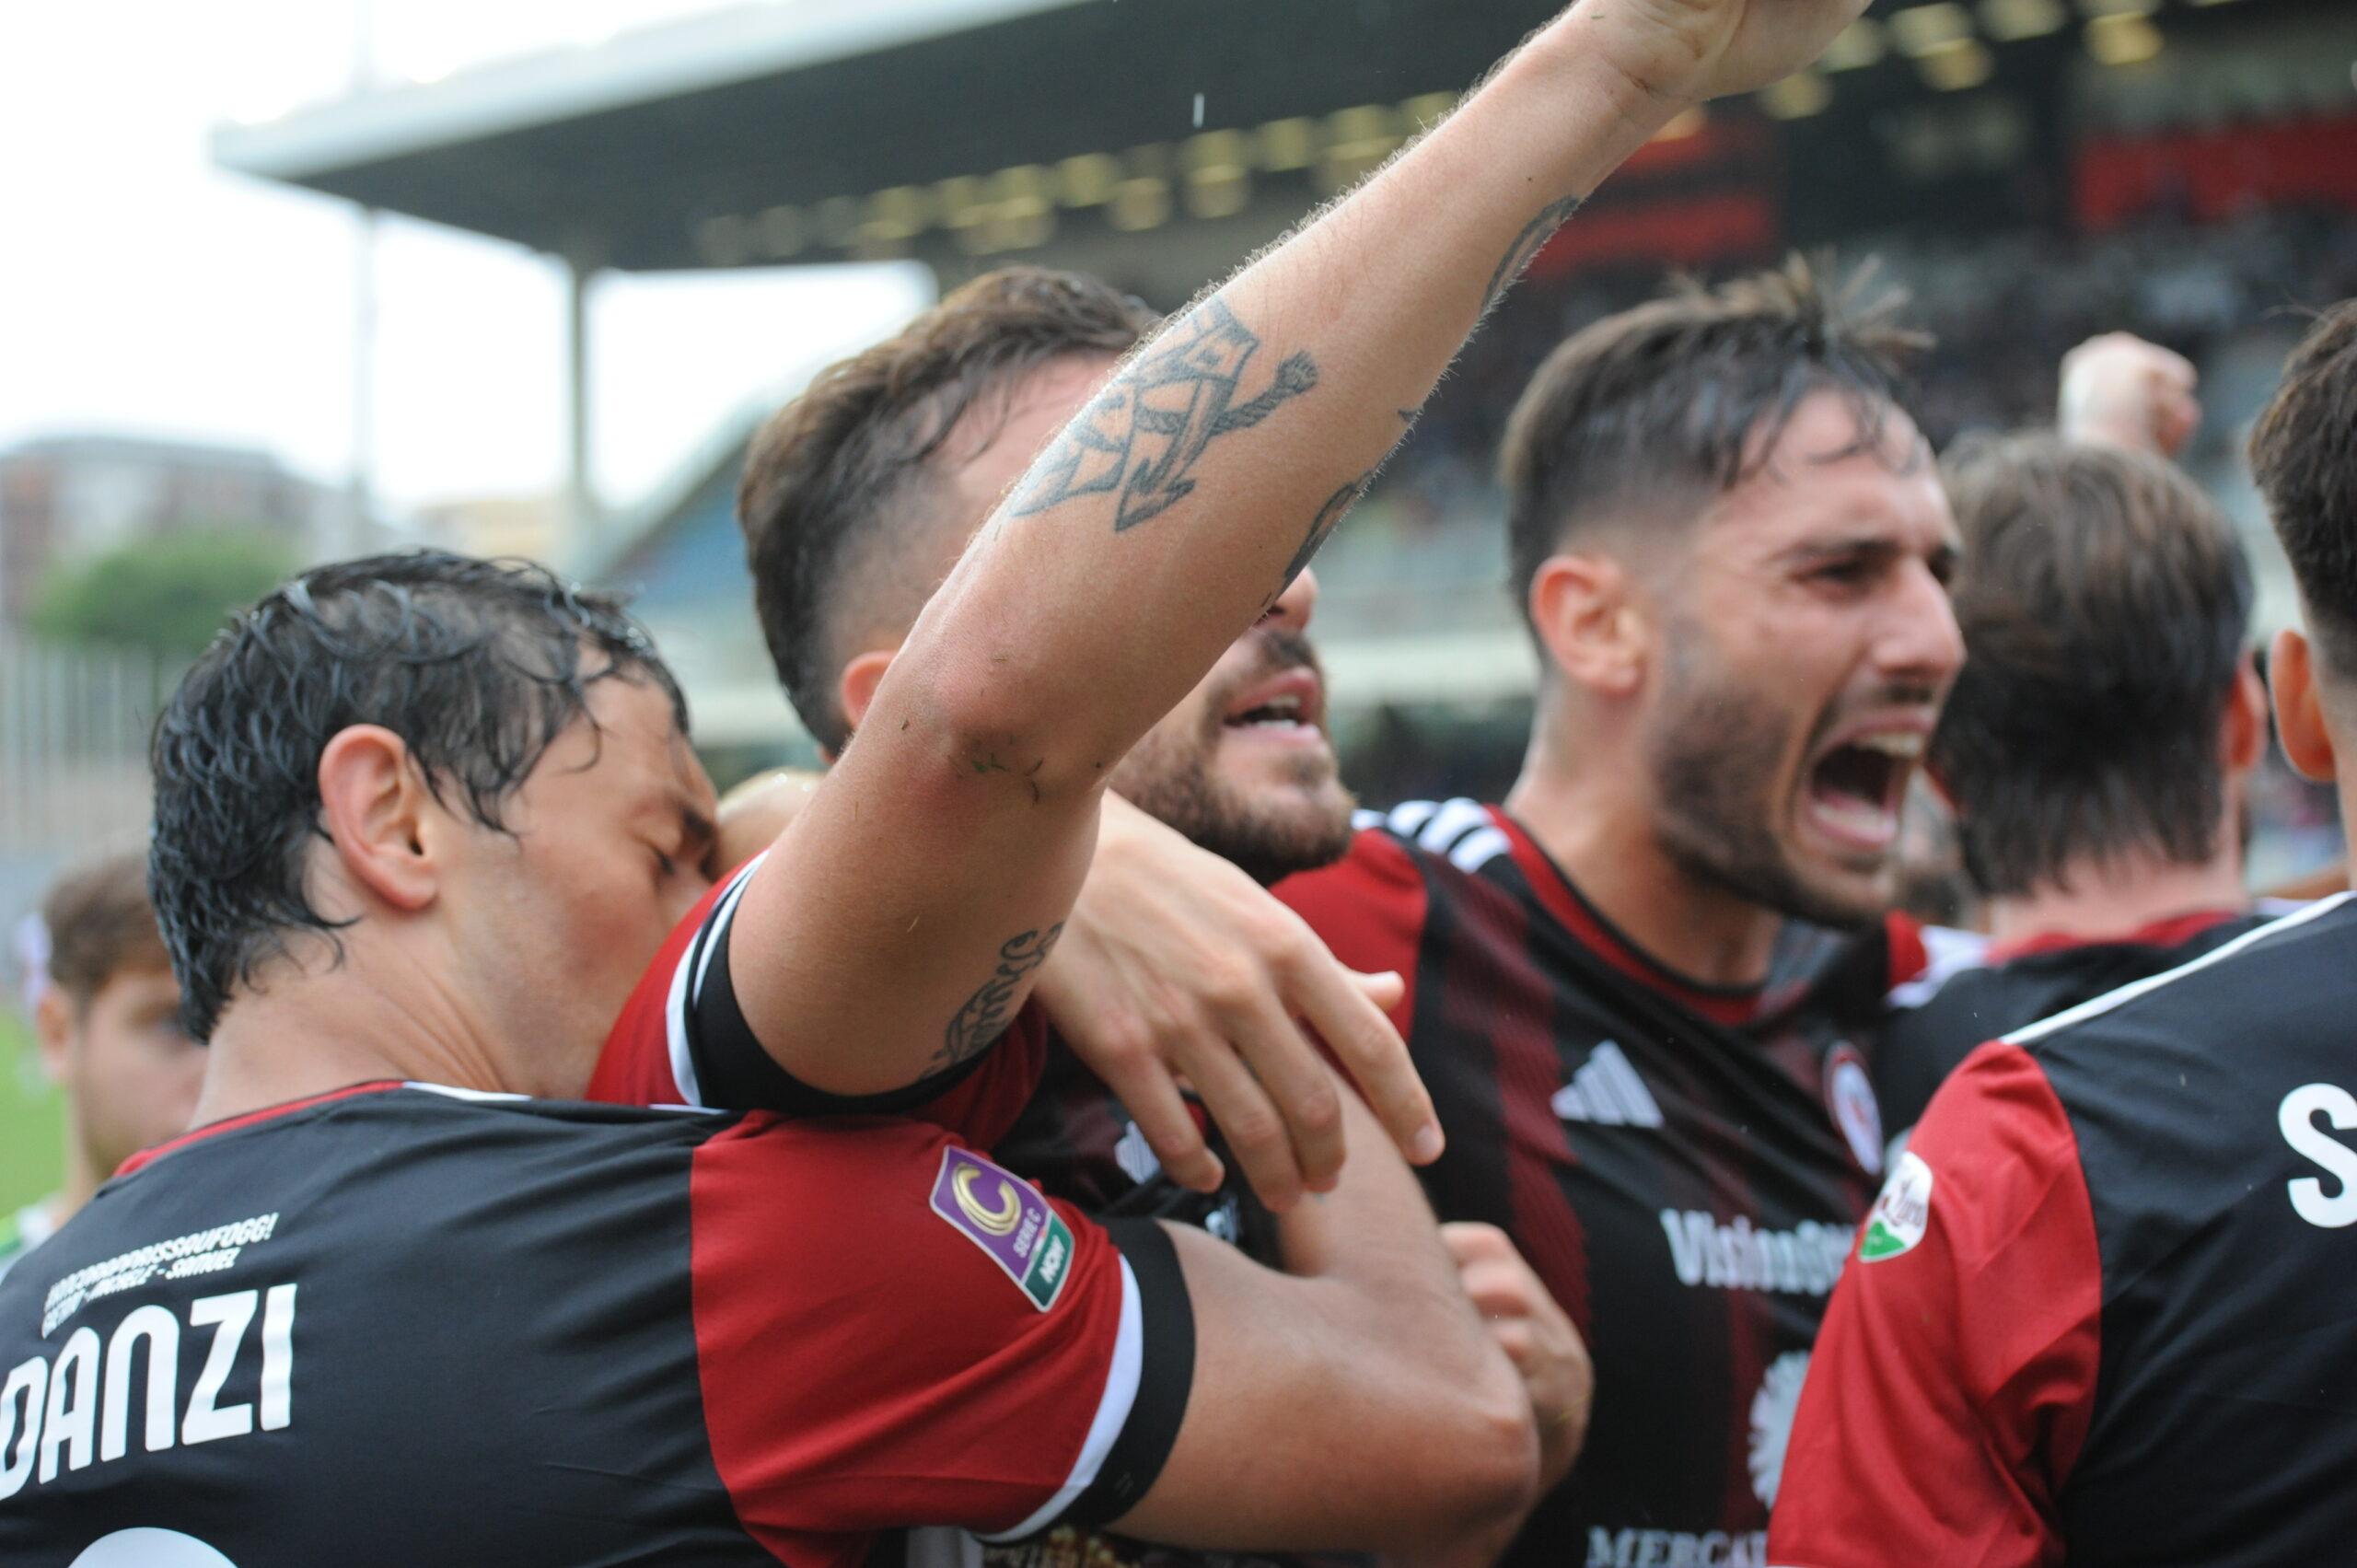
x,y
1804,1261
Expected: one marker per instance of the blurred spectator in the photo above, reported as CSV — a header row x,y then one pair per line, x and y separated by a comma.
x,y
107,1016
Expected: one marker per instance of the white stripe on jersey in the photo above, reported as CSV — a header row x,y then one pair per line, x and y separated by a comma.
x,y
1113,1415
1947,953
2128,994
699,958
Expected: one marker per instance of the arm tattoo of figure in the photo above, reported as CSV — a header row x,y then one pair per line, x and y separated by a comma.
x,y
1140,439
984,1016
1526,248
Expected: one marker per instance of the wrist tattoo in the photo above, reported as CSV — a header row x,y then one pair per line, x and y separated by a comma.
x,y
984,1016
1141,436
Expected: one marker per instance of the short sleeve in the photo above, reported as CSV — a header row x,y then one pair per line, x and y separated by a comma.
x,y
891,1330
683,1039
1369,908
1952,1381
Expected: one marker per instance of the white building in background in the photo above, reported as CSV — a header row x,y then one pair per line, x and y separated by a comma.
x,y
68,498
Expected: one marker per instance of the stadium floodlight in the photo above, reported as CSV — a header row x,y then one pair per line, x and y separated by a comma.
x,y
2009,21
1288,145
1859,44
1088,179
2122,39
1796,97
1921,31
1953,67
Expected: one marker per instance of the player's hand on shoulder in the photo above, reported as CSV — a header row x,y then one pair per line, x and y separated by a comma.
x,y
1536,1335
2119,390
1178,968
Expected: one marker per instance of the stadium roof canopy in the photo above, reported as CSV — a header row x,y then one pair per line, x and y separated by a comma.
x,y
791,130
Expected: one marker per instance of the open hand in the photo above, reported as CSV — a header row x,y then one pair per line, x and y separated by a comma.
x,y
1176,967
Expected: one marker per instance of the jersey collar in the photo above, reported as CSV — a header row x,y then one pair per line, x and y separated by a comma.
x,y
146,1158
2173,932
1731,1004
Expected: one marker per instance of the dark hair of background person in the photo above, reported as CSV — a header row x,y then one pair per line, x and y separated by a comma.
x,y
1649,416
100,924
2104,602
478,666
2303,454
849,456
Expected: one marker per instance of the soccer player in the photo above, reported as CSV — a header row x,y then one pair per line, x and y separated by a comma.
x,y
1731,545
858,499
108,1024
426,822
2100,1313
2097,747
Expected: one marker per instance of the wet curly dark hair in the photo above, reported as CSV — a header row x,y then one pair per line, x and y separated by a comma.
x,y
478,664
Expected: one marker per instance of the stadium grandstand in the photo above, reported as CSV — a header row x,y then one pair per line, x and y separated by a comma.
x,y
2033,171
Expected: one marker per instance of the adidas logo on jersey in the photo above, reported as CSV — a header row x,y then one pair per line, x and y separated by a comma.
x,y
1607,1092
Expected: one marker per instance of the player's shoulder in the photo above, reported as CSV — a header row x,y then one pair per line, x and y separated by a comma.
x,y
1460,831
2288,971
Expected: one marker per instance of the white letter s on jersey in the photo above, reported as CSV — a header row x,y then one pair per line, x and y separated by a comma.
x,y
2297,1118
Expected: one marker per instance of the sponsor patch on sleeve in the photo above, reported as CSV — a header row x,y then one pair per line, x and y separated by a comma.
x,y
1005,1217
1900,1216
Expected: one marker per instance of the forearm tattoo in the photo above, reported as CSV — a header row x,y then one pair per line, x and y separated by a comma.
x,y
1526,245
984,1016
1141,436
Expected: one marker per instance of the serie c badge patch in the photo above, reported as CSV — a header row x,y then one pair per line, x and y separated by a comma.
x,y
1900,1216
1005,1217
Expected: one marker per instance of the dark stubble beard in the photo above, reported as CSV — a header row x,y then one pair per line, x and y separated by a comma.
x,y
1714,765
1174,782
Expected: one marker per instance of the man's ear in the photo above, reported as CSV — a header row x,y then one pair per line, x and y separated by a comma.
x,y
2245,725
2299,707
861,677
53,1028
1589,620
379,816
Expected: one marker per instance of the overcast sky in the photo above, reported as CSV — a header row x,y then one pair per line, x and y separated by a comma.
x,y
142,290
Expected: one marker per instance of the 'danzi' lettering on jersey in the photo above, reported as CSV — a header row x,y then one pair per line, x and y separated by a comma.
x,y
1685,1166
87,1404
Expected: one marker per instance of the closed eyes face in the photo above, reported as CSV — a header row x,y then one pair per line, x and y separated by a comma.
x,y
612,835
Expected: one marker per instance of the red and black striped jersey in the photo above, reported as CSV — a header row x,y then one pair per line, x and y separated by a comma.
x,y
1683,1166
683,1039
398,1325
1977,991
2101,1314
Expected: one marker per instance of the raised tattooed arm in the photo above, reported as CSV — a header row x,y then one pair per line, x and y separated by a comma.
x,y
1157,528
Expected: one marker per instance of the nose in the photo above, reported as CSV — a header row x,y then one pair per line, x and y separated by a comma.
x,y
1920,642
1293,606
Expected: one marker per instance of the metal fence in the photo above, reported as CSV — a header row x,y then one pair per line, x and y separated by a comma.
x,y
74,782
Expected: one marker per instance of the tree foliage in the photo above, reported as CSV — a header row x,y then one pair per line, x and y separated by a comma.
x,y
168,596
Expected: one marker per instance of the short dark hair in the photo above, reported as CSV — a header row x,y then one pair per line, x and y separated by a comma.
x,y
2303,454
2104,601
100,923
832,466
1675,402
479,665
